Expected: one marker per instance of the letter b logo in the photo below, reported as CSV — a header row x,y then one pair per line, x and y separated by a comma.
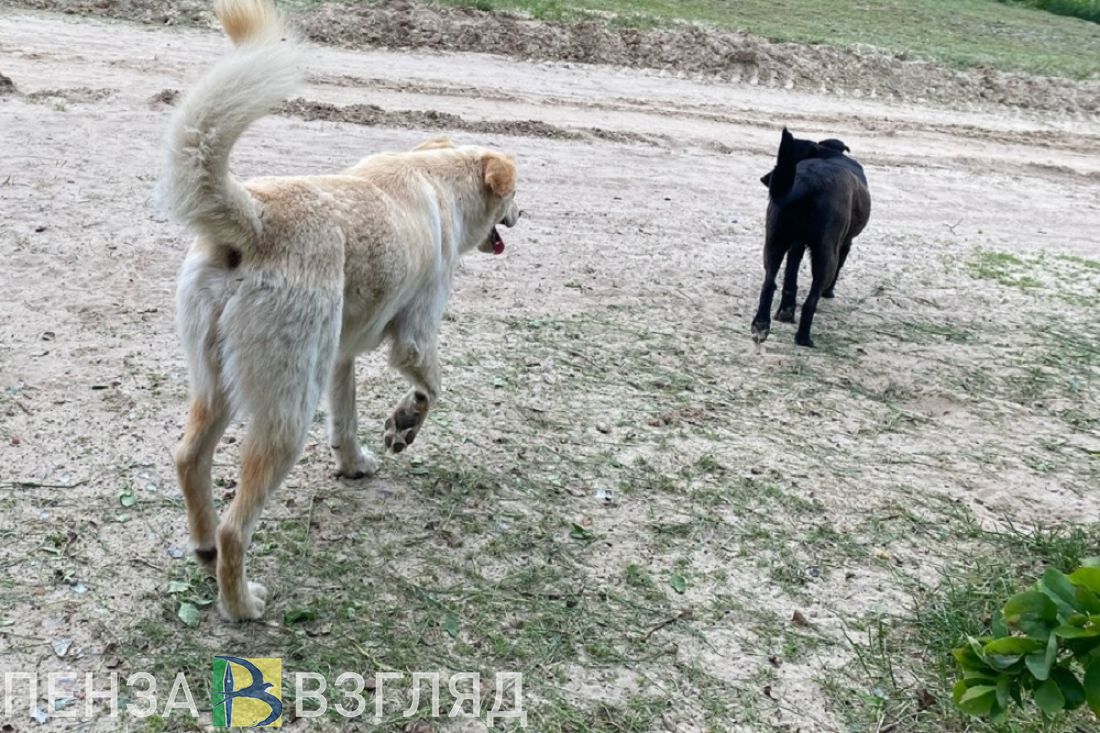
x,y
247,693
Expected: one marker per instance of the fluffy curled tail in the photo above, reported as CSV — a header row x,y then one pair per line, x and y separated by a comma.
x,y
241,88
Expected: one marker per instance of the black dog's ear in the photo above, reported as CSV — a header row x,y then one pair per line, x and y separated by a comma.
x,y
766,179
788,146
834,144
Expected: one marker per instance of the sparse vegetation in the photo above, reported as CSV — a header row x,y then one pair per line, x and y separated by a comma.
x,y
526,569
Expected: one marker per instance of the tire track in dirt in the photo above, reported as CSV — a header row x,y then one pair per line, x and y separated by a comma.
x,y
371,115
374,116
1078,142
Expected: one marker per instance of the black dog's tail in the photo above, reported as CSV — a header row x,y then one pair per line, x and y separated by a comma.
x,y
782,176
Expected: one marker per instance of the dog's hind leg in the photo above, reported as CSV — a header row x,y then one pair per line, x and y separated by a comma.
x,y
790,284
829,291
200,298
206,421
267,454
280,342
823,261
773,258
352,461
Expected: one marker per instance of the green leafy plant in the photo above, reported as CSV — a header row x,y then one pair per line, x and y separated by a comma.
x,y
1045,644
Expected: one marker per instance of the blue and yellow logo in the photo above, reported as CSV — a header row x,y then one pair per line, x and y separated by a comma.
x,y
247,693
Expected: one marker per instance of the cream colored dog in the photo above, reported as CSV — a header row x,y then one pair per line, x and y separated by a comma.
x,y
291,278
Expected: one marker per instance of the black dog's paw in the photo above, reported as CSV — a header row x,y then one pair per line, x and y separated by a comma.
x,y
828,294
804,340
760,331
786,315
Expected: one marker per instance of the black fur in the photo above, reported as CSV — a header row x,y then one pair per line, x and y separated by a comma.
x,y
817,199
832,143
835,145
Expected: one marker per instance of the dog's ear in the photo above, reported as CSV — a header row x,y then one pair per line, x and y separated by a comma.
x,y
500,173
834,144
766,179
787,143
434,144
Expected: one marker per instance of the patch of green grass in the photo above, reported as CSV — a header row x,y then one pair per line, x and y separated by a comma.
x,y
637,715
962,33
1081,261
1073,280
927,333
464,589
1006,268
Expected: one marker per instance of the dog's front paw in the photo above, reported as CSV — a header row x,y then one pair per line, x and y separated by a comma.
x,y
804,340
828,294
248,607
760,331
785,314
355,465
401,427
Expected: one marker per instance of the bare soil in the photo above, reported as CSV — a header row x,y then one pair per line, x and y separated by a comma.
x,y
954,384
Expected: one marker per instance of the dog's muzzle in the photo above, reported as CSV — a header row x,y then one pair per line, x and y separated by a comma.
x,y
496,242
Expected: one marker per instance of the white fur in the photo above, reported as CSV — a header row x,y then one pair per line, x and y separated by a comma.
x,y
198,188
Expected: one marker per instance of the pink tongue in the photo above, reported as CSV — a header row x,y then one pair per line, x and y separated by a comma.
x,y
498,246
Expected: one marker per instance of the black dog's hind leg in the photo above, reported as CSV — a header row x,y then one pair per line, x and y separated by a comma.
x,y
773,258
823,260
828,292
790,285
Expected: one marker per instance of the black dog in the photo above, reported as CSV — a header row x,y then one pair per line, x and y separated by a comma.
x,y
817,198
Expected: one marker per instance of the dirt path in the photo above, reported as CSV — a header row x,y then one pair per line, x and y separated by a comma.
x,y
957,366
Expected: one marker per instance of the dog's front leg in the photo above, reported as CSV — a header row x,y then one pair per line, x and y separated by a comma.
x,y
419,363
352,460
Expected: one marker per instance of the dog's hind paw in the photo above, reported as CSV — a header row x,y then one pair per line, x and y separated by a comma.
x,y
828,294
804,340
786,315
401,427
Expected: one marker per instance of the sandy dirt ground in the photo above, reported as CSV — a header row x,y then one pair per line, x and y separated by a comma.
x,y
957,366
